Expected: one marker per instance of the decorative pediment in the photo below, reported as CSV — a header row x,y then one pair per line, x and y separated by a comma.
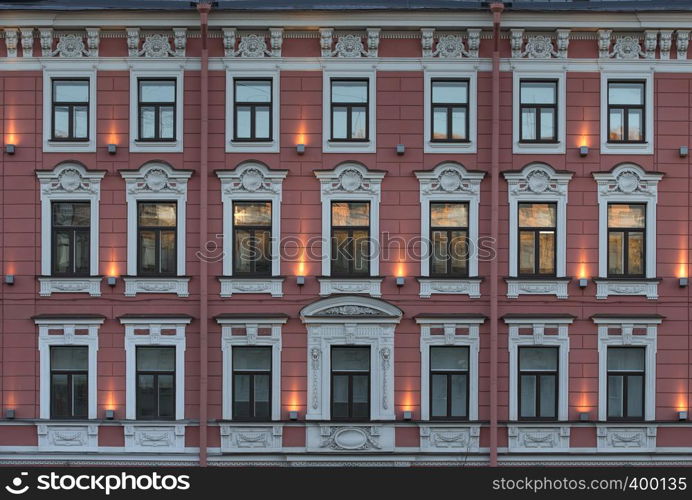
x,y
251,177
70,177
539,46
350,306
538,179
350,45
252,44
627,46
156,177
349,178
450,45
157,45
449,178
628,179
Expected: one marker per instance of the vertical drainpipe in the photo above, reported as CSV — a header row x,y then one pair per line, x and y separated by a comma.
x,y
496,9
203,8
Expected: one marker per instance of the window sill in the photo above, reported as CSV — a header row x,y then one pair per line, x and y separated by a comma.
x,y
351,438
233,285
450,286
449,147
537,286
154,437
557,147
138,284
539,437
251,438
622,148
647,287
252,146
67,436
53,284
450,438
626,438
50,146
156,146
348,147
367,285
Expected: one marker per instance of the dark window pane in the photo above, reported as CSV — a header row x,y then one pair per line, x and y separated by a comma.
x,y
439,395
340,396
252,213
547,252
459,397
537,215
616,252
156,359
626,216
635,393
355,91
81,252
262,390
527,252
361,396
548,396
166,396
450,92
80,395
350,213
350,359
538,92
538,358
70,214
62,252
243,251
449,215
146,396
635,253
157,214
241,396
616,396
156,91
74,358
168,252
60,395
253,91
440,254
252,358
147,251
626,359
361,251
459,252
449,358
528,396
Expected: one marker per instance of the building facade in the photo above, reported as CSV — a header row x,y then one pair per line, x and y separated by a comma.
x,y
456,234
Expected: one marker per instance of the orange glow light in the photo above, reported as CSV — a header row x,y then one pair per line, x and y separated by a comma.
x,y
110,401
302,137
400,270
582,271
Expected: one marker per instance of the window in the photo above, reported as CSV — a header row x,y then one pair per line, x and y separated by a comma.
x,y
537,239
350,238
538,110
450,111
71,238
538,382
449,233
155,382
626,105
349,110
157,110
70,110
252,233
252,110
626,383
69,368
156,234
252,383
350,383
449,382
626,239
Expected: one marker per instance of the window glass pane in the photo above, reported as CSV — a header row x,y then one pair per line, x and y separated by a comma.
x,y
262,122
147,251
358,123
80,395
261,395
168,252
69,358
615,396
253,91
449,358
439,395
546,246
439,123
617,125
538,92
252,358
340,396
547,124
538,358
440,255
635,127
458,395
629,216
361,396
156,91
62,252
459,124
61,122
351,359
527,396
157,214
537,214
243,125
252,213
59,394
70,214
345,213
156,359
361,252
81,119
459,250
449,214
635,393
616,252
146,397
449,92
527,252
354,91
147,122
243,251
241,396
528,124
166,122
626,93
339,122
166,396
71,90
635,253
625,359
548,396
81,252
341,252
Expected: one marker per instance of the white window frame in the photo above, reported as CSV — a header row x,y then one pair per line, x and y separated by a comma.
x,y
627,183
251,338
69,181
259,71
251,180
606,338
350,321
538,338
548,74
69,326
458,331
450,71
450,182
156,181
646,75
163,71
352,71
350,181
154,326
76,70
538,183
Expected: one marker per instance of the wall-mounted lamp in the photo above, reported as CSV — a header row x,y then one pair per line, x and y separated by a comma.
x,y
683,151
111,280
9,279
109,414
683,282
400,281
10,413
583,282
300,149
300,280
112,149
583,151
407,415
9,149
682,416
584,416
400,149
293,415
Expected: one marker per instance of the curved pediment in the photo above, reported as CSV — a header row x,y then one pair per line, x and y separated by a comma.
x,y
351,307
